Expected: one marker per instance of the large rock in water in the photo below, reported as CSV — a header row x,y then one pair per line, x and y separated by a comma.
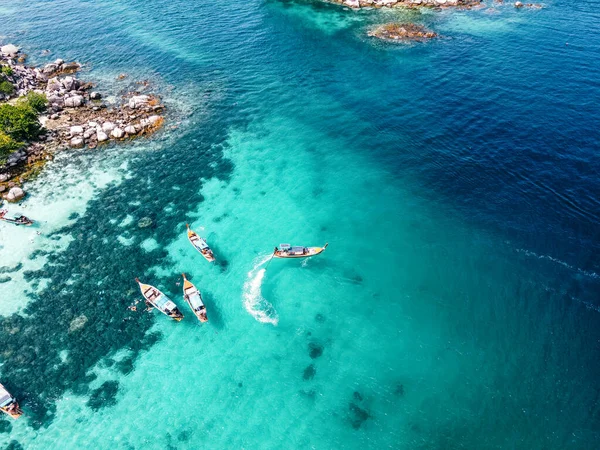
x,y
15,194
9,50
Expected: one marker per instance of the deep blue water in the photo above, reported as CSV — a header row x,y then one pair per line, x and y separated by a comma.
x,y
457,182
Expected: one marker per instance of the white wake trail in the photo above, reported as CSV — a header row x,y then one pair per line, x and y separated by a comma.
x,y
254,302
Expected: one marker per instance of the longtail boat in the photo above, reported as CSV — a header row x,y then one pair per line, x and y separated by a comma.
x,y
8,404
288,251
160,301
16,220
192,296
200,244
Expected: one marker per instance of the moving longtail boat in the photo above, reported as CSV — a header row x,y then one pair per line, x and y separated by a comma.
x,y
160,301
200,244
287,251
8,404
192,296
17,220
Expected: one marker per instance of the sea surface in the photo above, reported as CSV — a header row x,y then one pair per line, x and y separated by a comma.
x,y
457,183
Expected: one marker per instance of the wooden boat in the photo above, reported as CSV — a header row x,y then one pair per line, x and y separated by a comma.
x,y
8,404
192,296
160,301
287,251
200,244
17,220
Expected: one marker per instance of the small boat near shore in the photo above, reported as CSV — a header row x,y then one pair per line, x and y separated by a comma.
x,y
192,296
288,251
160,301
200,244
16,220
8,404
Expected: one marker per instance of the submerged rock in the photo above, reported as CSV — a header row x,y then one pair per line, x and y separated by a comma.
x,y
145,222
402,32
77,323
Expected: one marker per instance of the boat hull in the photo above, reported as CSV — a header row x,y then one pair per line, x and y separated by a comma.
x,y
196,241
312,251
151,294
190,290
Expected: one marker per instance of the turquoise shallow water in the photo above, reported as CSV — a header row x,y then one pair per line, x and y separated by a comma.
x,y
456,183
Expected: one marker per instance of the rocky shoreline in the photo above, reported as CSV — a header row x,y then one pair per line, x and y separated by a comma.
x,y
75,116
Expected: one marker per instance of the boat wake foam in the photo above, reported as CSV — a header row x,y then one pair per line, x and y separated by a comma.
x,y
254,302
587,273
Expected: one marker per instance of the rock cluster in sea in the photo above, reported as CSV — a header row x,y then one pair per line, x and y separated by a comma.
x,y
402,32
409,3
76,116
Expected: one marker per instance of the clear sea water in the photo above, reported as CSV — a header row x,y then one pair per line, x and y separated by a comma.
x,y
457,183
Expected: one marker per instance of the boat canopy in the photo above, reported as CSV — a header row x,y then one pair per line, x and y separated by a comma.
x,y
284,246
196,301
161,301
297,249
5,399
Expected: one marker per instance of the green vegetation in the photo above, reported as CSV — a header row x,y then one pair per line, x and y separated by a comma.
x,y
6,88
7,146
6,70
20,122
37,102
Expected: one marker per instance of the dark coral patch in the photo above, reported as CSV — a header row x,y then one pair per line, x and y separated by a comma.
x,y
105,395
357,415
319,318
399,390
357,396
14,445
309,373
315,350
5,425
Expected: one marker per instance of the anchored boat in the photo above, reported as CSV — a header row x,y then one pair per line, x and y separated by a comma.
x,y
192,296
8,404
160,301
17,220
200,244
288,251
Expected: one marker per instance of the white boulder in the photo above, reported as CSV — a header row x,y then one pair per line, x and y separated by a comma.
x,y
9,50
107,127
76,142
117,133
70,83
138,100
77,129
53,84
102,136
130,129
74,102
15,194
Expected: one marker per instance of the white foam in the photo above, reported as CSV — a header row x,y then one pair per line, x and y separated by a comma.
x,y
254,302
587,273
